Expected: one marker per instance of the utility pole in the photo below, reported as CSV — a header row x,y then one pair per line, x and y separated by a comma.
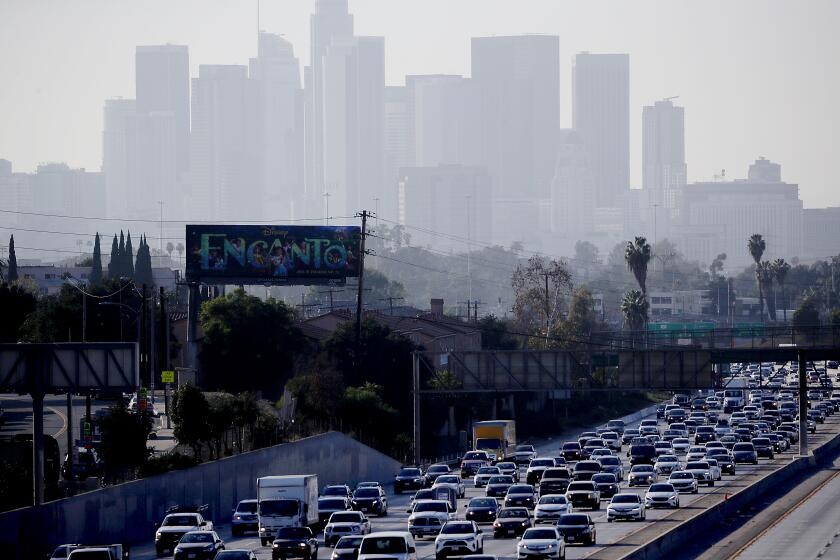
x,y
164,318
160,241
331,291
391,300
364,215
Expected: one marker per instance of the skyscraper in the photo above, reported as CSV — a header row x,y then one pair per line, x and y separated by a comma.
x,y
397,153
116,157
330,22
601,116
221,187
163,85
276,128
663,153
517,83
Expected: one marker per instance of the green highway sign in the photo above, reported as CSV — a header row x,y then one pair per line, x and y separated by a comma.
x,y
167,376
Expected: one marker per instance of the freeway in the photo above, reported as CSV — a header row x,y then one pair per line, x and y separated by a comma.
x,y
614,539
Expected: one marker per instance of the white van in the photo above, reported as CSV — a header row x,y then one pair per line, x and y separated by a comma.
x,y
398,545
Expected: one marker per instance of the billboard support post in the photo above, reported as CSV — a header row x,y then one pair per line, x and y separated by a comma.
x,y
357,359
38,447
192,324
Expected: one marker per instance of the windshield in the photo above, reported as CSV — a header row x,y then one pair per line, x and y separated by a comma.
x,y
280,508
540,534
438,469
520,489
571,446
642,468
480,455
513,512
506,466
247,507
197,537
293,533
410,472
528,448
580,486
626,499
482,502
366,493
332,503
542,463
555,473
661,488
505,479
573,519
553,500
603,478
681,476
667,459
743,447
180,520
349,542
349,517
488,443
432,506
383,545
455,528
233,555
610,461
487,470
335,491
588,466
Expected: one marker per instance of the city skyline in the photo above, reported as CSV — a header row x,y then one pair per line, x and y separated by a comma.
x,y
727,99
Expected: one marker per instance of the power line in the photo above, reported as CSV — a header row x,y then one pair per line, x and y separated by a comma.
x,y
79,233
156,222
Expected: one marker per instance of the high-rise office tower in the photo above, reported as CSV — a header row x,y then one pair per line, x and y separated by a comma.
x,y
276,128
601,116
517,83
163,86
354,124
222,187
330,22
116,156
663,153
397,153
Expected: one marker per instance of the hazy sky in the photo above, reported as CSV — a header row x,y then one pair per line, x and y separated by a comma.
x,y
757,77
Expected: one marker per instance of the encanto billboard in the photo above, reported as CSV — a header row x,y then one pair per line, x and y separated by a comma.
x,y
255,254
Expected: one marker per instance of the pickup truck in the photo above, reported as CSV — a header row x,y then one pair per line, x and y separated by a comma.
x,y
91,551
179,521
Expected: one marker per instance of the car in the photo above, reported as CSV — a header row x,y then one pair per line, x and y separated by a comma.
x,y
680,445
509,468
238,554
536,468
662,494
724,460
663,448
744,452
675,415
606,483
524,453
459,538
511,522
666,464
327,505
428,516
520,495
695,453
699,403
394,545
683,481
626,506
586,436
541,542
613,440
484,474
347,548
629,434
701,471
704,434
660,411
572,451
370,500
369,484
550,507
436,470
643,453
584,493
714,468
470,466
763,447
345,523
179,521
497,486
425,494
481,510
780,441
584,470
729,441
244,518
294,542
641,475
598,452
648,430
409,478
577,528
613,465
555,481
337,490
452,481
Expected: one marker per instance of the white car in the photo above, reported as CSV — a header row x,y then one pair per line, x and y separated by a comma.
x,y
427,517
524,453
663,448
701,471
550,508
666,464
662,494
680,445
613,440
695,453
345,523
509,469
714,468
452,481
626,506
459,538
683,481
484,474
541,542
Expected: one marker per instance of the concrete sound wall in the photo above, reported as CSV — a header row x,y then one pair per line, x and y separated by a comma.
x,y
126,513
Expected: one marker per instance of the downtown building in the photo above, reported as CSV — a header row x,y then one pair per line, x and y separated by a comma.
x,y
663,167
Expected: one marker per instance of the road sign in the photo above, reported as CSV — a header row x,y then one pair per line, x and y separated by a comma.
x,y
167,376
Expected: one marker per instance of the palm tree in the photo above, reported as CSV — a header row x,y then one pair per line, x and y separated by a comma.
x,y
635,307
756,247
764,274
780,271
637,256
180,249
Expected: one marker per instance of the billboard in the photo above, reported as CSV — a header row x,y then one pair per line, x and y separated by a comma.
x,y
256,254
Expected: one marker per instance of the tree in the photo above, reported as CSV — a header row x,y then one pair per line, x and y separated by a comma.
x,y
764,274
716,268
143,268
17,304
780,272
114,263
128,257
190,411
634,307
637,257
586,257
756,246
180,249
169,248
222,411
381,288
581,320
495,334
95,276
13,270
124,437
249,344
539,290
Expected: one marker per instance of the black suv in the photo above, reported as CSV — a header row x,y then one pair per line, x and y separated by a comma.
x,y
294,542
410,478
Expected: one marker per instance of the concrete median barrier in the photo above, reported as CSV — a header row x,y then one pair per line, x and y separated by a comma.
x,y
126,513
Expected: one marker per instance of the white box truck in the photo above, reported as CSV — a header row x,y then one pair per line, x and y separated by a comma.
x,y
286,501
